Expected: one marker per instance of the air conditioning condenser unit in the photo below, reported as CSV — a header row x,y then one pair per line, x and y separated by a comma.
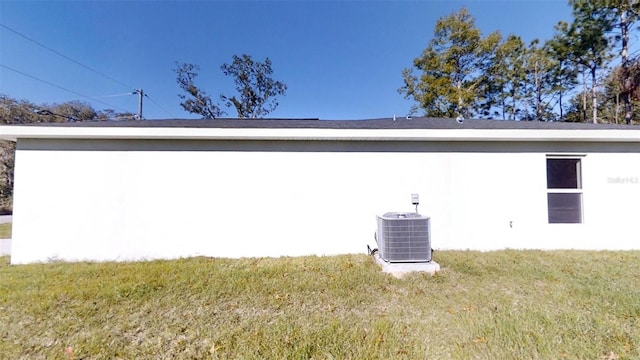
x,y
404,237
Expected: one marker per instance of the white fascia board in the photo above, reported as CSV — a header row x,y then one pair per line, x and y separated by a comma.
x,y
13,133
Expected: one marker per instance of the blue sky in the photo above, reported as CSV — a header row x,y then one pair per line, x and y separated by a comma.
x,y
340,59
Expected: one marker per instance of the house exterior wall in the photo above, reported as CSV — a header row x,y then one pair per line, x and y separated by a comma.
x,y
147,199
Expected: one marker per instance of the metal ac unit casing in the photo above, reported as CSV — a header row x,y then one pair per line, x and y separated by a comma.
x,y
404,237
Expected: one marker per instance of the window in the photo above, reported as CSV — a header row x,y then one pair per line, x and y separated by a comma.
x,y
564,190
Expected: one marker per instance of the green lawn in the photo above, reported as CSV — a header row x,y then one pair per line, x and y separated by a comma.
x,y
495,305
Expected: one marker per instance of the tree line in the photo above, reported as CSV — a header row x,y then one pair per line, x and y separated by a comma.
x,y
569,77
20,111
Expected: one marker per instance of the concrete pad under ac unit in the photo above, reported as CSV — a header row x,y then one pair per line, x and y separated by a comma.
x,y
399,269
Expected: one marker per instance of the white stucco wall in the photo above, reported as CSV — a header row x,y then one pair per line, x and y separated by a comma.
x,y
149,202
5,247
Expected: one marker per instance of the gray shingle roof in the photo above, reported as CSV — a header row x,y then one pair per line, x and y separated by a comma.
x,y
384,123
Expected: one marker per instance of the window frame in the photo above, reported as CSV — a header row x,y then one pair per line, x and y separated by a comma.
x,y
578,189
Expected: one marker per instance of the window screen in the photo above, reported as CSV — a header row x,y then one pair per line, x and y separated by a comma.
x,y
564,195
563,174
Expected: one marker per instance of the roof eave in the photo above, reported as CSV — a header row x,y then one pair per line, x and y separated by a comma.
x,y
13,133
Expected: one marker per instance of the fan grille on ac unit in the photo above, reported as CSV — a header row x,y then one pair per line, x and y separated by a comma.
x,y
404,237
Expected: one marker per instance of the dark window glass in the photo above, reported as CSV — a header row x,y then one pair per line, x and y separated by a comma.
x,y
563,174
565,208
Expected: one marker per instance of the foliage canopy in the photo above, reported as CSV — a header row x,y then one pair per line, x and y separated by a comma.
x,y
257,90
463,73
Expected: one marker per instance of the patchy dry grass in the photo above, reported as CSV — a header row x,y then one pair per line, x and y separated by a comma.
x,y
496,305
5,231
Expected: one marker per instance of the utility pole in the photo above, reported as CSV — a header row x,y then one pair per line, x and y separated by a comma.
x,y
140,93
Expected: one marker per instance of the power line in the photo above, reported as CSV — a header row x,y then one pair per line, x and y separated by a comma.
x,y
158,105
114,95
60,87
82,65
66,57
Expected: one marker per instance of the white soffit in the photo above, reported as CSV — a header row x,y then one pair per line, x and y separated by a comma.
x,y
307,134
